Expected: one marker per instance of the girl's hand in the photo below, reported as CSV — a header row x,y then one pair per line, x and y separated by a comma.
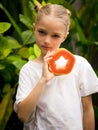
x,y
46,74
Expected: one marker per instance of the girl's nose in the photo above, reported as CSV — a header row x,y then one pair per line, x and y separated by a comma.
x,y
47,40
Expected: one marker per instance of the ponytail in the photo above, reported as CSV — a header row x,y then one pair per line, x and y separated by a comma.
x,y
38,7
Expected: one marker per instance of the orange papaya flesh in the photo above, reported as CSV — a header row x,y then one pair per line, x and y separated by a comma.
x,y
62,62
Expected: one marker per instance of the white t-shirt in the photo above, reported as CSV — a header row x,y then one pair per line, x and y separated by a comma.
x,y
59,107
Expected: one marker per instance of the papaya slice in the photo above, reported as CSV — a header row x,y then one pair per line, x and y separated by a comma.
x,y
62,62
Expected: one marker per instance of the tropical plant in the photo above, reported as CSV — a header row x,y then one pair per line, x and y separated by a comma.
x,y
13,55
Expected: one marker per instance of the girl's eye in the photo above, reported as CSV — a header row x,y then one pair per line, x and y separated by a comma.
x,y
56,36
42,32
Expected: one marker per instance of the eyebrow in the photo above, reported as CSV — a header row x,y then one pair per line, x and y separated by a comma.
x,y
54,33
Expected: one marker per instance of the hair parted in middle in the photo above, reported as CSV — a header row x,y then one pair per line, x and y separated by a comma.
x,y
55,10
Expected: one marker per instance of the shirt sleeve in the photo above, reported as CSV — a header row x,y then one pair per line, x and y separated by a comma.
x,y
27,82
88,78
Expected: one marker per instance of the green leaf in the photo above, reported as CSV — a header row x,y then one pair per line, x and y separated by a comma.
x,y
19,64
5,104
43,2
36,2
32,57
8,43
28,37
4,26
36,50
14,58
2,66
80,34
17,28
13,43
26,21
6,88
96,42
31,51
32,8
3,43
6,75
24,52
4,53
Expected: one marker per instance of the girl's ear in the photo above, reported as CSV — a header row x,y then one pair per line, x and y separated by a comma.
x,y
65,36
67,33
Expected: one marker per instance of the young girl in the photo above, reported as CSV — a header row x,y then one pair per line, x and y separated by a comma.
x,y
48,102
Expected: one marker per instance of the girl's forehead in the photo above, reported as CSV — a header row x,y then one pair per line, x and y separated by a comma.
x,y
50,18
51,21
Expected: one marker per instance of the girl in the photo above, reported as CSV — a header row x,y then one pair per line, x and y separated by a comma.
x,y
48,102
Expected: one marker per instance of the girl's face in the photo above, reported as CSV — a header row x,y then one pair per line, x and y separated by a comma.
x,y
50,32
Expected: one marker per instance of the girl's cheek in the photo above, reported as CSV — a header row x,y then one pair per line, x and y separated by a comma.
x,y
38,43
57,45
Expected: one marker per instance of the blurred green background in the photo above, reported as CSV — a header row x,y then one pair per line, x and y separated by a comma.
x,y
17,46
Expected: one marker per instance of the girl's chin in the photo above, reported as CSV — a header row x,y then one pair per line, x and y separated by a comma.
x,y
45,51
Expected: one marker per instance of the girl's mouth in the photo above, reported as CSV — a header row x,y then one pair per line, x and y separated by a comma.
x,y
46,47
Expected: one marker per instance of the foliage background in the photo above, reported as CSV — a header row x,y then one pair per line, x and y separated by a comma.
x,y
17,45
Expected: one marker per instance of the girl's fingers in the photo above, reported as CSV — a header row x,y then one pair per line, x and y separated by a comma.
x,y
48,56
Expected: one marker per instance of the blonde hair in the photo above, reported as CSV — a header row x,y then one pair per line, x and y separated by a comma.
x,y
55,10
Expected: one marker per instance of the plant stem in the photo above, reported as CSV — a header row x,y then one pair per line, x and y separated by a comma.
x,y
18,30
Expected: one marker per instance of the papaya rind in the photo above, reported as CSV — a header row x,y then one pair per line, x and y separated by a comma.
x,y
68,67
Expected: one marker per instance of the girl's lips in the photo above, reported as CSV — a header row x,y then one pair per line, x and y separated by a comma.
x,y
46,47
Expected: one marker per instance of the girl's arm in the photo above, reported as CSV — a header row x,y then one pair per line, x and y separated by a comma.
x,y
27,106
88,113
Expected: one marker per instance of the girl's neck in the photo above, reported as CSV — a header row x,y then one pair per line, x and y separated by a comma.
x,y
39,59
